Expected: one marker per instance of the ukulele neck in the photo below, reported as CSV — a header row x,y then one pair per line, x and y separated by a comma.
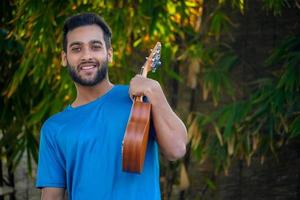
x,y
144,72
150,65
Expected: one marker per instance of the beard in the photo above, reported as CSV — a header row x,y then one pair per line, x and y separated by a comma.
x,y
102,69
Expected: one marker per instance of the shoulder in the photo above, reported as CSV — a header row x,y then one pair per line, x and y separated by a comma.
x,y
54,122
121,88
121,92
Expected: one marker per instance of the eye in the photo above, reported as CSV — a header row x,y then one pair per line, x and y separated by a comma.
x,y
96,47
76,49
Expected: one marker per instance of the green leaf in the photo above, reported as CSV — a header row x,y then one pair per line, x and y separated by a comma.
x,y
295,128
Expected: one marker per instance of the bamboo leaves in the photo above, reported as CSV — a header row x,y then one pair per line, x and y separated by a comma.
x,y
267,119
196,37
295,127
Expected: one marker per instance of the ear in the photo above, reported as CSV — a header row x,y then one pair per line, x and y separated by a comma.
x,y
64,58
110,54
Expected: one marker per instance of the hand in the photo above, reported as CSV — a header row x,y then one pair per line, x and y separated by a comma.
x,y
141,86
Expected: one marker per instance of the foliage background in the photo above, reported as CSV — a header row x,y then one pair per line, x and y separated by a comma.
x,y
254,119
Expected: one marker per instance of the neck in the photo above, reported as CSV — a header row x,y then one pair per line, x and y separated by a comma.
x,y
86,94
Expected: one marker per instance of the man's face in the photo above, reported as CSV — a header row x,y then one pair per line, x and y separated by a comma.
x,y
87,57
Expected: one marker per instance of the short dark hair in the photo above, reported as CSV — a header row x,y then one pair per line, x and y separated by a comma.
x,y
84,19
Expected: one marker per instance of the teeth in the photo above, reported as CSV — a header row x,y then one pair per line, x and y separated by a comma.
x,y
87,67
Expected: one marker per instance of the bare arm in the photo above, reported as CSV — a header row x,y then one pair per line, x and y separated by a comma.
x,y
53,194
171,132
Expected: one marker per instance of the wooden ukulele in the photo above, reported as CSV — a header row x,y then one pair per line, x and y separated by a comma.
x,y
136,136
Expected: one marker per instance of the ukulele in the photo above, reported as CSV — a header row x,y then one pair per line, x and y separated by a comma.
x,y
135,140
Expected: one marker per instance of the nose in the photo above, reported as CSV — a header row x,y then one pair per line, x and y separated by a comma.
x,y
86,55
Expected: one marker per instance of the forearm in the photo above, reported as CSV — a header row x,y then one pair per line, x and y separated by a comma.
x,y
170,130
53,194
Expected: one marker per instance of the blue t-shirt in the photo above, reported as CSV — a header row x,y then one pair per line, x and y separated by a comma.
x,y
80,150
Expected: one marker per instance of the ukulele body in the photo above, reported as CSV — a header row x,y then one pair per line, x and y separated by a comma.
x,y
136,137
137,132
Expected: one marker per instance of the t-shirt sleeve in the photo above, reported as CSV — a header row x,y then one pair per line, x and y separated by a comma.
x,y
51,170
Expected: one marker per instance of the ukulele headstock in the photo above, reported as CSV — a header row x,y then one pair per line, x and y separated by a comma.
x,y
153,60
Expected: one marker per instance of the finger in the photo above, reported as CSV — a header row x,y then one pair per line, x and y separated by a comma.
x,y
134,93
131,97
130,94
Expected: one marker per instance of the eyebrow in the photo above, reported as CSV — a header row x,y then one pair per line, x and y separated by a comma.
x,y
96,42
75,43
80,43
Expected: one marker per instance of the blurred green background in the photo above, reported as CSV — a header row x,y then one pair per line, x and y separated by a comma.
x,y
230,69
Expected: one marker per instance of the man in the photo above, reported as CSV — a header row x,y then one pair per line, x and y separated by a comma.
x,y
80,147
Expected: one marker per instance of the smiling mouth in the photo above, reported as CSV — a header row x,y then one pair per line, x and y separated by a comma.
x,y
87,66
